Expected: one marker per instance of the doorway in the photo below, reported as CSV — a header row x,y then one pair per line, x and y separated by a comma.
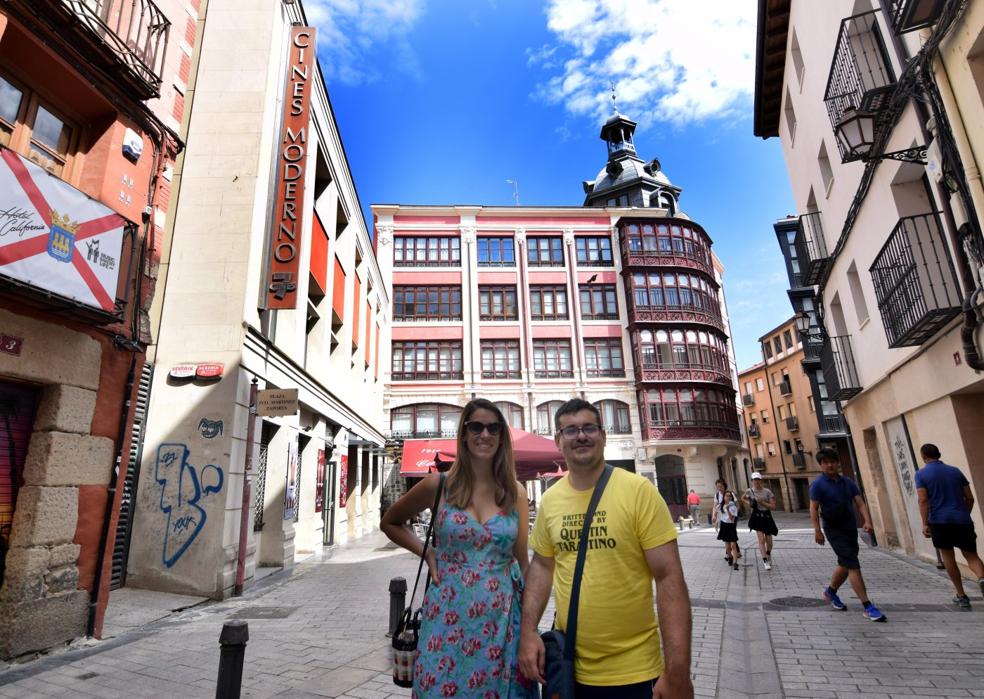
x,y
671,481
801,487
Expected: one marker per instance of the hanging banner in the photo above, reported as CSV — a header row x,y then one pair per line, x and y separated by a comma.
x,y
290,495
55,237
343,480
288,219
319,483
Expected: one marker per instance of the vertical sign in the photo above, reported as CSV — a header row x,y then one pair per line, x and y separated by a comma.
x,y
288,221
290,496
319,483
343,481
897,436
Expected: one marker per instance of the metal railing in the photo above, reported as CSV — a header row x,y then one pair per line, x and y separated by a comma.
x,y
136,31
785,388
812,344
840,373
914,282
799,461
748,399
792,423
861,77
811,248
758,463
909,15
754,430
831,424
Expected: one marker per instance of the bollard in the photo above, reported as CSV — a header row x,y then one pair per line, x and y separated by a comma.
x,y
398,602
232,642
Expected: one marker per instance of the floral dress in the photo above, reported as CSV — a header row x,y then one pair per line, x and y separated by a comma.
x,y
469,636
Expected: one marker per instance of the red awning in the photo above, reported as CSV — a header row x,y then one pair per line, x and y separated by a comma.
x,y
534,455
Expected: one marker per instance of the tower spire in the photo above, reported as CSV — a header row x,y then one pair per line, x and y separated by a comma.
x,y
614,106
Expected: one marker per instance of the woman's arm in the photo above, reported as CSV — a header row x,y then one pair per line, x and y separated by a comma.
x,y
520,548
418,499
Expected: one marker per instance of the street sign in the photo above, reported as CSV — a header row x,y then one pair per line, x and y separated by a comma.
x,y
182,371
274,402
209,370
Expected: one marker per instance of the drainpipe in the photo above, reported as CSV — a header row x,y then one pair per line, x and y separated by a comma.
x,y
782,461
237,590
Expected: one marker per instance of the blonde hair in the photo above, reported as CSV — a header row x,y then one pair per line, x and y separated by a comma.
x,y
461,477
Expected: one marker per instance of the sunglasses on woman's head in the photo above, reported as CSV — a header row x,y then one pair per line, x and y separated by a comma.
x,y
476,427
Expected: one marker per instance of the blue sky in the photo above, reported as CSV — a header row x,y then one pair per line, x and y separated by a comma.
x,y
442,101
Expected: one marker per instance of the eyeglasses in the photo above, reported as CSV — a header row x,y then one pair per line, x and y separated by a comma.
x,y
572,431
476,427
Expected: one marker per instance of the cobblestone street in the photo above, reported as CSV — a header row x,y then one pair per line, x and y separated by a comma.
x,y
756,632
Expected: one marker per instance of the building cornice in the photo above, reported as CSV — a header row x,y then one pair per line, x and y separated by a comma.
x,y
770,65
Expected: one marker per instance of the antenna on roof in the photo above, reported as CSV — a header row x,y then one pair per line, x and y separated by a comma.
x,y
614,106
515,186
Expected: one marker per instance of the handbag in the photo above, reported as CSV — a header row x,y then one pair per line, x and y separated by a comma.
x,y
407,633
559,645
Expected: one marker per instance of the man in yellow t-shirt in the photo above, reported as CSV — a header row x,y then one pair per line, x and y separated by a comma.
x,y
632,541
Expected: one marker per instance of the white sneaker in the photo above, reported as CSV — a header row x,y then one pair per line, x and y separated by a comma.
x,y
767,563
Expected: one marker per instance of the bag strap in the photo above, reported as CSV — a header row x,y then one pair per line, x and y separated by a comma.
x,y
570,633
427,540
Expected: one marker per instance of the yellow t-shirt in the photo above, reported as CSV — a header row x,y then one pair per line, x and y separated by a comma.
x,y
617,632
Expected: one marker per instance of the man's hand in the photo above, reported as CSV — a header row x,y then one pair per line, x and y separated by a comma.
x,y
673,687
867,527
926,532
532,656
818,537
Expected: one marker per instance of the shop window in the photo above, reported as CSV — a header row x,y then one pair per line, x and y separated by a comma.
x,y
35,129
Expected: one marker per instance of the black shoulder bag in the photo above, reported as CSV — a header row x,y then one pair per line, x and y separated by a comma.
x,y
559,645
407,632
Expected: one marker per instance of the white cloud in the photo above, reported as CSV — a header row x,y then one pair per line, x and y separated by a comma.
x,y
353,33
671,60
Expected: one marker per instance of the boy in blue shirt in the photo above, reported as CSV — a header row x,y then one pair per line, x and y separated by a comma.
x,y
945,502
836,498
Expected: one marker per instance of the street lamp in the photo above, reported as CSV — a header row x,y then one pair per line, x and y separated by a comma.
x,y
855,133
803,322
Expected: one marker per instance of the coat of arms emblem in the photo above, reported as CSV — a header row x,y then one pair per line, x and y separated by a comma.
x,y
61,240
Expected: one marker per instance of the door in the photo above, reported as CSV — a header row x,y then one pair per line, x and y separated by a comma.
x,y
17,406
802,488
328,509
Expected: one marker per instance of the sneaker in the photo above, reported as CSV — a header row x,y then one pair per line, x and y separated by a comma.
x,y
872,613
834,600
736,566
767,563
728,560
962,601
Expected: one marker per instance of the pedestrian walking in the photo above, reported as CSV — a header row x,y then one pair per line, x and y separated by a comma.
x,y
945,503
469,634
693,502
761,501
838,500
632,542
728,529
721,488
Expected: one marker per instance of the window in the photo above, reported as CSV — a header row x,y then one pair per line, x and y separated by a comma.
x,y
790,117
552,359
695,407
598,302
787,337
548,302
748,387
667,239
614,416
767,349
809,400
765,417
798,66
513,414
857,294
497,303
759,384
670,349
777,343
826,173
689,291
771,448
426,303
545,251
415,361
425,420
603,357
787,446
496,252
422,251
782,412
34,129
545,416
500,359
594,252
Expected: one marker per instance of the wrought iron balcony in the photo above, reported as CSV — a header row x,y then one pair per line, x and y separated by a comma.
x,y
758,463
130,36
909,15
861,78
914,282
754,430
811,248
691,430
799,461
792,423
840,373
785,388
748,399
649,371
812,344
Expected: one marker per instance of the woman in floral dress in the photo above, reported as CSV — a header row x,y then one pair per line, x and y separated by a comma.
x,y
469,634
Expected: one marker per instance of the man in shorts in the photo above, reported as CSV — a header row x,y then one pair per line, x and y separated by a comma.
x,y
693,502
945,503
837,498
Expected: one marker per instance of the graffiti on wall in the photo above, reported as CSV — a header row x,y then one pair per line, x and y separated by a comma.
x,y
210,429
182,488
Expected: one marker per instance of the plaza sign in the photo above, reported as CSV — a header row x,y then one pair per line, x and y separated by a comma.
x,y
56,238
288,215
